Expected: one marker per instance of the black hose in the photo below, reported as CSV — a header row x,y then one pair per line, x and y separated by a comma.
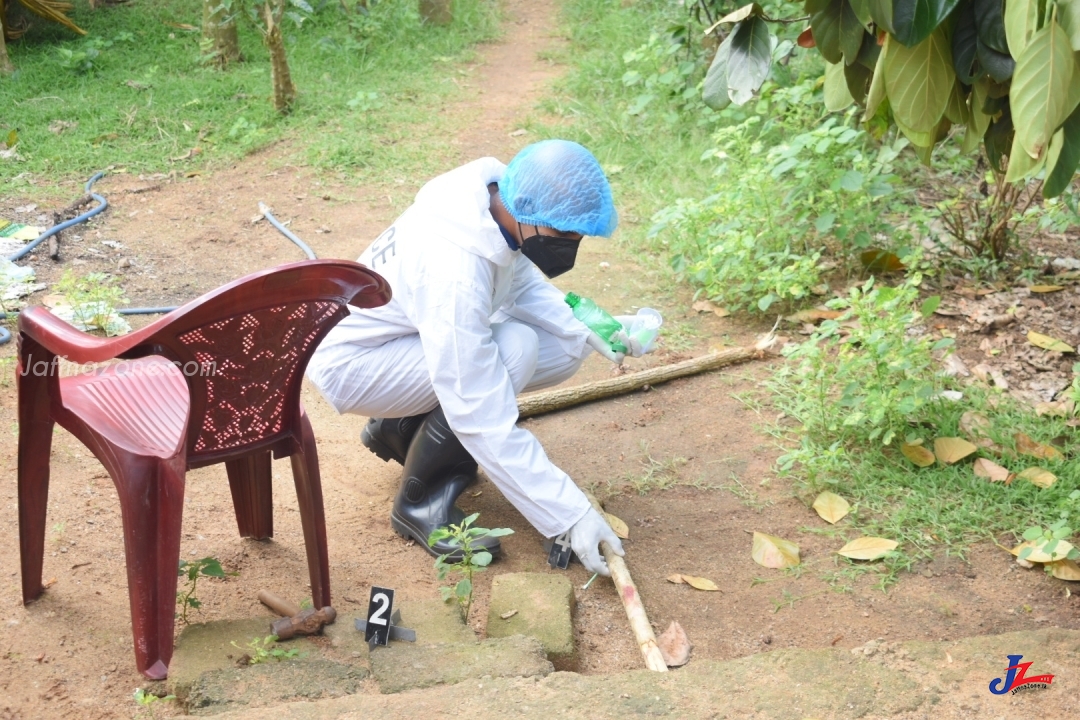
x,y
5,334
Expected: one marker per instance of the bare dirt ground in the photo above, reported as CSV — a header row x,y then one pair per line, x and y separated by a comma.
x,y
693,446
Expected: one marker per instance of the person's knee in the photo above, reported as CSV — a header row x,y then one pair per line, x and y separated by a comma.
x,y
519,349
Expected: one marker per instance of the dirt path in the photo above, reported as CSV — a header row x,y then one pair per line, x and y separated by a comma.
x,y
70,653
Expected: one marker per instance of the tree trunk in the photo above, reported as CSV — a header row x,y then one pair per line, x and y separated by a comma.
x,y
436,12
6,68
284,90
221,45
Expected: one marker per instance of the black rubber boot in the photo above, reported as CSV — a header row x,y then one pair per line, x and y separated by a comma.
x,y
437,470
389,438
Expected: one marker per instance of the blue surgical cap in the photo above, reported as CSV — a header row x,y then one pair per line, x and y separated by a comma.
x,y
559,184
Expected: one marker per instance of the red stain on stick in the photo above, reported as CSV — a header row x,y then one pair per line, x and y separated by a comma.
x,y
628,593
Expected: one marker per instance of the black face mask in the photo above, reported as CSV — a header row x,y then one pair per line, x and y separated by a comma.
x,y
552,255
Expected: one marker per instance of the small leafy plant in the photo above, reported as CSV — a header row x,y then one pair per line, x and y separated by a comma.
x,y
463,536
1051,541
193,570
92,299
265,649
146,700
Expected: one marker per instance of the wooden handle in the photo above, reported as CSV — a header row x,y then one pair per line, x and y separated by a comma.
x,y
631,600
278,604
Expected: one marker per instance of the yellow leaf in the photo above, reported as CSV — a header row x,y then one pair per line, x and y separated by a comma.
x,y
867,548
1039,553
1065,570
1026,446
676,578
1038,476
700,583
1048,343
990,470
974,424
706,306
1045,288
773,552
618,526
917,454
831,507
952,449
813,315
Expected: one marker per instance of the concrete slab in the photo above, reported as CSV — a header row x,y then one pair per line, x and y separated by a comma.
x,y
893,681
273,683
403,666
433,620
540,605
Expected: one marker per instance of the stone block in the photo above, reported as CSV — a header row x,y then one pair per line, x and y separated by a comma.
x,y
433,620
404,666
272,683
544,604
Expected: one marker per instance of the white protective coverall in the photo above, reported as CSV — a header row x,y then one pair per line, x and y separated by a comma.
x,y
471,324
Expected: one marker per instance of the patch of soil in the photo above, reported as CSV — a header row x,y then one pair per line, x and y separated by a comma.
x,y
70,653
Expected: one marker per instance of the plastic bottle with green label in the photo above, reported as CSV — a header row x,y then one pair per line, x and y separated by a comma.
x,y
597,319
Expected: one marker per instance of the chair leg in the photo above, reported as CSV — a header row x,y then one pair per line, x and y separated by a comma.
x,y
305,467
151,494
35,445
250,482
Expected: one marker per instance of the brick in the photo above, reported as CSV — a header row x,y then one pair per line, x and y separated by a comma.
x,y
544,603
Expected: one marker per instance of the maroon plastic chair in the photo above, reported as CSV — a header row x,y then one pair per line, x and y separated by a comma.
x,y
217,380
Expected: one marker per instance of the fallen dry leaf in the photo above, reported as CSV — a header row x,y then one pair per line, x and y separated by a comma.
x,y
1039,552
508,614
917,454
676,578
1039,477
705,306
990,470
814,315
674,646
1046,288
618,526
1026,446
1059,408
1065,570
867,548
1048,343
881,261
974,424
773,552
952,449
831,507
700,583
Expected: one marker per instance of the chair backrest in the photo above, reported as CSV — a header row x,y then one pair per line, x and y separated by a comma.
x,y
243,349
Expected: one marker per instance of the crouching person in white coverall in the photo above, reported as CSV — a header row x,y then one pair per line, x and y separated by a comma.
x,y
473,323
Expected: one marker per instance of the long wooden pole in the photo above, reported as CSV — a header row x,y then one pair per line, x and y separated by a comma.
x,y
631,600
543,402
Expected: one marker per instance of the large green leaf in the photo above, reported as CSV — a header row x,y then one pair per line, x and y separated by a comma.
x,y
851,33
1040,95
979,119
1069,16
862,11
1021,24
918,138
877,84
998,138
965,41
869,52
1062,171
750,58
914,20
882,13
858,78
990,19
714,92
1021,165
957,109
837,95
997,65
825,22
919,81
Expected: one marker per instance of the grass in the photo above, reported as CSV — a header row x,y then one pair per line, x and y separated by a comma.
x,y
369,92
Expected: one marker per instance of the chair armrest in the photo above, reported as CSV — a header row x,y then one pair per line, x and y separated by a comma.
x,y
72,344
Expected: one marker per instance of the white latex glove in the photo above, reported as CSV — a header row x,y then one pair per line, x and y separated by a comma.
x,y
601,346
633,347
585,538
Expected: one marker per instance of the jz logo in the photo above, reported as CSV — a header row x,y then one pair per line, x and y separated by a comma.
x,y
1016,678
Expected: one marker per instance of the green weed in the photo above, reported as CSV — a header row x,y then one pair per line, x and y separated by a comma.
x,y
146,702
265,649
463,536
192,571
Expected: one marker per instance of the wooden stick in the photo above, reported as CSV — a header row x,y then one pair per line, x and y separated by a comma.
x,y
278,604
631,600
543,402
